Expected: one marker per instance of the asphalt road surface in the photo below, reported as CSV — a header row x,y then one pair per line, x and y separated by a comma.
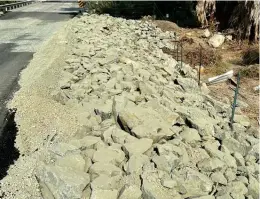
x,y
22,32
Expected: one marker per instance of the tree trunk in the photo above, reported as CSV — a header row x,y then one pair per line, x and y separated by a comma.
x,y
205,9
245,20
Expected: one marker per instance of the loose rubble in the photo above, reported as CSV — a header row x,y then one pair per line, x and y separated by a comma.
x,y
149,131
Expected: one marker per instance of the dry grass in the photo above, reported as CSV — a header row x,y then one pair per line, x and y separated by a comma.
x,y
251,55
250,71
218,68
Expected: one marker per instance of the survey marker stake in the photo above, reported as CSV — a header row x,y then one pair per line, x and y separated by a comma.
x,y
234,102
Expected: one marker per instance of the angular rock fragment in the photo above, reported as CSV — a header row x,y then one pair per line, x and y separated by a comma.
x,y
135,163
101,194
109,155
108,169
139,146
62,181
130,192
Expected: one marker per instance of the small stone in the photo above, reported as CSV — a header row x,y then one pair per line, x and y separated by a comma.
x,y
229,37
108,169
138,147
106,182
169,183
206,33
188,84
230,175
87,142
62,181
242,179
225,196
162,163
239,159
63,148
152,189
109,155
204,88
74,161
205,197
216,40
235,146
210,164
130,192
253,187
190,135
242,104
88,164
88,153
237,187
242,119
101,194
136,163
219,178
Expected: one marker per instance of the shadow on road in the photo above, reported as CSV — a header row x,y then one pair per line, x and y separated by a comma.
x,y
46,16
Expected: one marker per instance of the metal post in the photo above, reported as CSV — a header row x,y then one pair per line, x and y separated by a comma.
x,y
200,65
181,53
177,51
234,102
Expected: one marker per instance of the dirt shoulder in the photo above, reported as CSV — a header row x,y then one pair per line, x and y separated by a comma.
x,y
217,61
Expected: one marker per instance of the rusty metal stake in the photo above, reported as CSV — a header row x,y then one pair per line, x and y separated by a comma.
x,y
177,51
234,102
200,65
181,53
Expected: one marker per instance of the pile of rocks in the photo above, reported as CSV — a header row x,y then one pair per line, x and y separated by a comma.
x,y
150,132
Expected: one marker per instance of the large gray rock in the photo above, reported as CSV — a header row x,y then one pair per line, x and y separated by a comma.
x,y
135,163
188,84
253,187
169,183
210,164
152,188
237,187
190,135
219,178
230,174
235,146
242,119
167,162
73,161
109,155
198,119
62,149
192,183
62,182
205,197
106,182
130,192
87,142
216,40
108,169
145,123
137,147
101,194
121,137
239,159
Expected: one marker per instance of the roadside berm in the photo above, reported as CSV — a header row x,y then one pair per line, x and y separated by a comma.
x,y
108,115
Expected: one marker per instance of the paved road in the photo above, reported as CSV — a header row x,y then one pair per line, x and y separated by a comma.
x,y
22,32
